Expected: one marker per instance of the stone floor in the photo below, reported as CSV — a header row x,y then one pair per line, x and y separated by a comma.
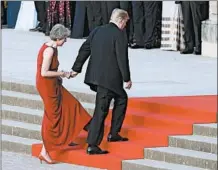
x,y
12,161
154,72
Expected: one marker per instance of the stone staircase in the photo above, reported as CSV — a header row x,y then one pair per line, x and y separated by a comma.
x,y
193,152
22,111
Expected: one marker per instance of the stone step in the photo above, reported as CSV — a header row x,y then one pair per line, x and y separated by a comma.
x,y
182,156
147,164
195,142
17,144
21,129
22,114
32,101
205,129
31,89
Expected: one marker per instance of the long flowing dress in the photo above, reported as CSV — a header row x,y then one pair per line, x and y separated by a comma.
x,y
64,117
27,16
172,27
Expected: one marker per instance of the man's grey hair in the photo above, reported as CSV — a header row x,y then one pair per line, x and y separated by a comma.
x,y
59,32
119,14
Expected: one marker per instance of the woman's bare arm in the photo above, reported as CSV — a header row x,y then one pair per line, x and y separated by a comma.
x,y
47,58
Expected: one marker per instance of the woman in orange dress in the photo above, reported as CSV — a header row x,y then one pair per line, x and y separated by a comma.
x,y
64,117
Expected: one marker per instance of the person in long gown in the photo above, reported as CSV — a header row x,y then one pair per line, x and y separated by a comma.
x,y
64,117
27,16
58,12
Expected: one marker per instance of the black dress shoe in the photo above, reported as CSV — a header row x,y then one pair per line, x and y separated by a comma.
x,y
38,28
47,33
148,46
72,144
187,51
135,46
197,52
95,150
116,138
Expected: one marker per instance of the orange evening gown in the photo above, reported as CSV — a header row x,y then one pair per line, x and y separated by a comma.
x,y
64,117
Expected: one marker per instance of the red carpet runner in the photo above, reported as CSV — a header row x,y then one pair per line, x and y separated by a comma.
x,y
148,123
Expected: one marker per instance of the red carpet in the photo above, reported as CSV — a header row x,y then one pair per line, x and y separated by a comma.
x,y
148,123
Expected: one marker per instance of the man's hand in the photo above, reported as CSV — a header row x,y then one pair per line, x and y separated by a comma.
x,y
73,74
65,74
128,84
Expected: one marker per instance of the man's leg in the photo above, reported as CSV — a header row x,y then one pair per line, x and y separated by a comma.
x,y
118,115
104,13
138,24
98,19
188,28
96,130
111,5
40,10
127,6
196,16
152,24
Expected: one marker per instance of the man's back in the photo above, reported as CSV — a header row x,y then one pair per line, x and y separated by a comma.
x,y
106,50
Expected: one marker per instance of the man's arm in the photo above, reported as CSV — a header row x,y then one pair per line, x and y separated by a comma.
x,y
121,46
84,53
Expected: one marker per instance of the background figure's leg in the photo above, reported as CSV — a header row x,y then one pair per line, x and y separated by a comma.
x,y
98,19
138,22
90,15
104,13
79,20
152,15
196,12
111,5
127,6
188,27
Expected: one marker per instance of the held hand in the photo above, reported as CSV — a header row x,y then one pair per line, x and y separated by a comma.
x,y
73,74
128,84
65,74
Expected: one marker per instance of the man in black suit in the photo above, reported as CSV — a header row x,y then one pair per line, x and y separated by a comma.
x,y
107,69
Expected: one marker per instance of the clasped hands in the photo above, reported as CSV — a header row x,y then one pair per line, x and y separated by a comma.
x,y
69,75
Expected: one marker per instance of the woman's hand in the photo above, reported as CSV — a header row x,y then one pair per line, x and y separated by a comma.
x,y
65,74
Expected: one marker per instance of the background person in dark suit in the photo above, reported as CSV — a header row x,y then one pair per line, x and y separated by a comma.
x,y
193,13
107,69
147,24
127,6
106,9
